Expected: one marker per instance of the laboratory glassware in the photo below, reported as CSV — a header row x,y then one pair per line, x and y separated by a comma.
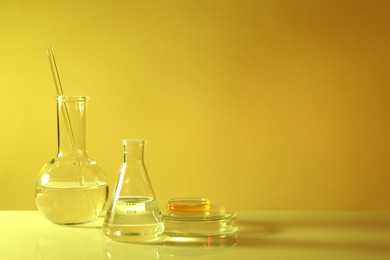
x,y
71,188
197,221
134,214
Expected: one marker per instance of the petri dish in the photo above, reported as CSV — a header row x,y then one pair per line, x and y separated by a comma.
x,y
194,221
188,204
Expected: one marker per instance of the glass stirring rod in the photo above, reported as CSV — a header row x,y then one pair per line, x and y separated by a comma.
x,y
60,92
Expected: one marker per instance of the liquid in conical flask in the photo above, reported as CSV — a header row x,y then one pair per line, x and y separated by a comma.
x,y
134,214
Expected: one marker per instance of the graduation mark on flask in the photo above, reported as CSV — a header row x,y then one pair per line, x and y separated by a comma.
x,y
134,208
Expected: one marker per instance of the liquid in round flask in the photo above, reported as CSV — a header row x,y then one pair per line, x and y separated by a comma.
x,y
134,214
70,203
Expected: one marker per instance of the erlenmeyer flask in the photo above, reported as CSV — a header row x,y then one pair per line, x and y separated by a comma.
x,y
134,214
71,188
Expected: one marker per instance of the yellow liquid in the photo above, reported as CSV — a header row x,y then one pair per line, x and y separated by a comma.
x,y
68,203
134,219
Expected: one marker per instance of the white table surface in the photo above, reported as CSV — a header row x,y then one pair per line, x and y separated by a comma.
x,y
261,235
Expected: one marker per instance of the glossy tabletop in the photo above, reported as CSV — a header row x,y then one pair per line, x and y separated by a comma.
x,y
261,235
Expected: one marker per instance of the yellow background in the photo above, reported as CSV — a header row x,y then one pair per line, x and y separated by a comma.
x,y
279,105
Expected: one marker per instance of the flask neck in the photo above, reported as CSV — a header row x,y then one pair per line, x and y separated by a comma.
x,y
133,150
71,126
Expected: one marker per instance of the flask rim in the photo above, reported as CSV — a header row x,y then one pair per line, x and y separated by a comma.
x,y
133,141
72,98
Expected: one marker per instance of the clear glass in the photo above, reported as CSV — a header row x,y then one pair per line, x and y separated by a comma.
x,y
71,188
196,221
134,214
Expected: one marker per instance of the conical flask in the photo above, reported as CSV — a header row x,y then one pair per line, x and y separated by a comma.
x,y
71,188
134,214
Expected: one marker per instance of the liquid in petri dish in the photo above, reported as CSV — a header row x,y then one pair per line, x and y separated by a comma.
x,y
69,203
134,219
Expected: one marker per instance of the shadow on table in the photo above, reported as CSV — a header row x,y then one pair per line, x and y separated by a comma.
x,y
264,234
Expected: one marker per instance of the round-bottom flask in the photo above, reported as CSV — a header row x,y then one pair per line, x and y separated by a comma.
x,y
134,214
71,188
